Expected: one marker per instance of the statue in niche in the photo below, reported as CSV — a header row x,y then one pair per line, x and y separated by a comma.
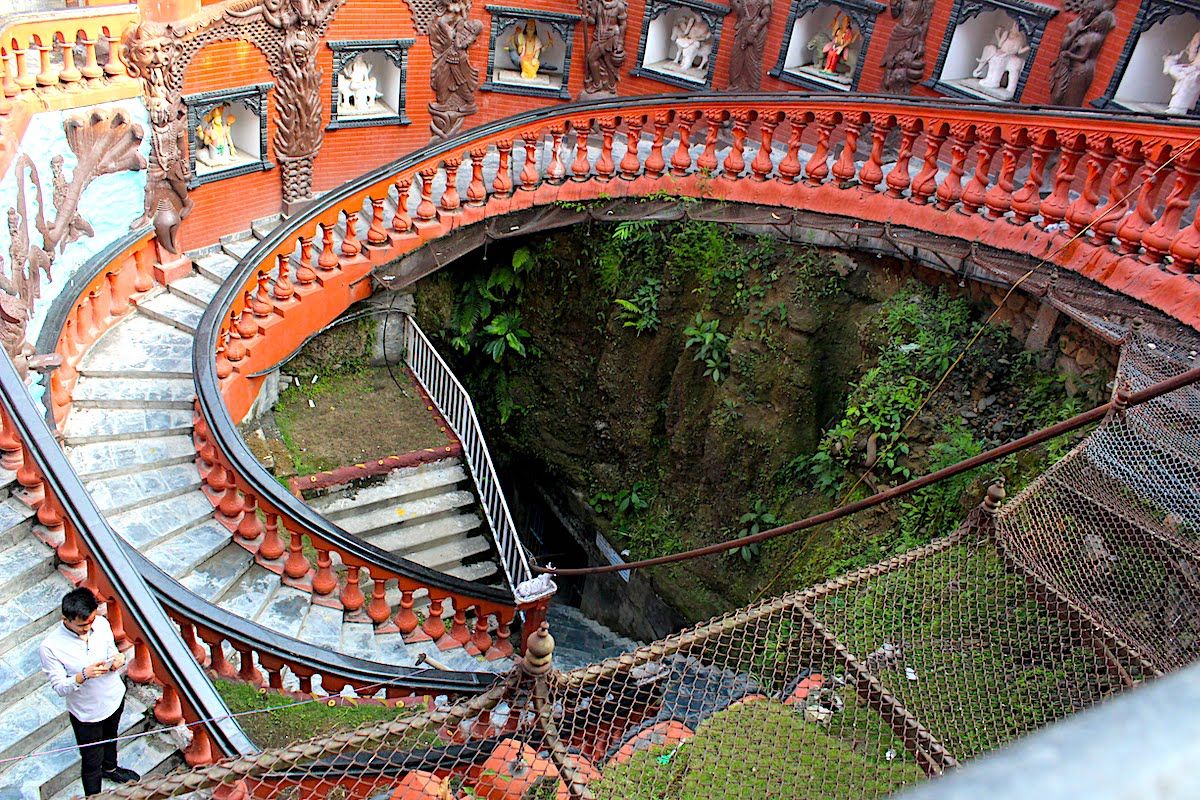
x,y
606,48
1184,68
358,89
1072,72
904,58
693,41
1000,65
528,46
749,33
216,133
103,143
836,50
452,78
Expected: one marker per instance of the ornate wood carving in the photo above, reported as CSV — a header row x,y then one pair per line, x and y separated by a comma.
x,y
452,78
904,59
1072,73
103,142
288,32
749,36
604,41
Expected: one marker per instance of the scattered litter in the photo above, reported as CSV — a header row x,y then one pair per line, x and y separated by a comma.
x,y
910,673
314,380
311,404
890,755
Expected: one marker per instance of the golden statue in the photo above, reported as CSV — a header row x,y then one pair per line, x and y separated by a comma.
x,y
216,132
529,46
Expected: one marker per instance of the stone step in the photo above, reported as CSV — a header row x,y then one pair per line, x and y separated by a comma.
x,y
125,456
577,632
146,755
48,776
21,665
23,564
16,520
31,609
215,266
213,578
140,347
88,425
408,539
142,488
322,627
171,309
30,721
423,510
285,610
195,289
399,486
452,554
488,572
261,228
249,594
145,526
185,551
237,248
177,393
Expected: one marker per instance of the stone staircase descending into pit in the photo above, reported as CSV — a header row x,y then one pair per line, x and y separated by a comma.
x,y
34,718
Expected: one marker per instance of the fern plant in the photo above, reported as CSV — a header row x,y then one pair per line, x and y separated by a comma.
x,y
640,312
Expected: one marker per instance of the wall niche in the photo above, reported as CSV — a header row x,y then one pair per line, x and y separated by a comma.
x,y
367,87
679,42
989,48
227,133
530,52
1159,69
824,43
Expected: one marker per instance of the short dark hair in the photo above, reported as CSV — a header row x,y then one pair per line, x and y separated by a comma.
x,y
79,604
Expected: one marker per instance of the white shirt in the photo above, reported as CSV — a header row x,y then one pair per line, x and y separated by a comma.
x,y
64,655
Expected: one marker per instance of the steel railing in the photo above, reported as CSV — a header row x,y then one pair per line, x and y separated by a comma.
x,y
455,406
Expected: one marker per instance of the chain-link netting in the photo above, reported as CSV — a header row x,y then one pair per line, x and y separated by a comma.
x,y
1083,585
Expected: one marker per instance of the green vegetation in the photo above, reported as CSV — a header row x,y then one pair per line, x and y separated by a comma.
x,y
641,311
712,347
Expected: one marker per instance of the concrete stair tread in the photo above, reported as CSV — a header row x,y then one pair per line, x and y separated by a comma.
x,y
261,228
237,248
247,596
145,525
125,492
411,538
93,392
481,571
183,552
31,609
15,519
400,483
140,346
406,513
86,425
144,755
213,577
451,554
21,665
322,627
215,266
22,563
123,456
195,289
173,310
284,612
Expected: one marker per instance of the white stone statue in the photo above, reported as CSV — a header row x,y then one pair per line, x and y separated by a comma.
x,y
358,91
693,41
1003,60
1184,69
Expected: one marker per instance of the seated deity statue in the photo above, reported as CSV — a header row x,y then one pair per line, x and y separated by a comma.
x,y
526,46
1184,69
1000,65
216,134
693,41
358,89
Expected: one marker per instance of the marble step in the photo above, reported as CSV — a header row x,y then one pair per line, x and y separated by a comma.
x,y
408,539
147,525
586,638
23,564
45,776
261,228
214,577
21,666
145,487
238,248
399,486
195,289
16,520
182,553
488,572
126,456
176,393
146,755
215,266
31,609
452,554
285,610
421,510
88,425
249,594
173,310
140,347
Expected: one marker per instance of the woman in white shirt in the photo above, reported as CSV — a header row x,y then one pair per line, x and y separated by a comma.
x,y
82,662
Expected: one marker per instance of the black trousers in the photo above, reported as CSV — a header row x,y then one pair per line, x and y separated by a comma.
x,y
97,758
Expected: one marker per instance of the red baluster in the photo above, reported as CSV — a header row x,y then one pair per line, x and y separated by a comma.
x,y
230,506
735,159
963,136
406,620
1054,207
199,752
168,710
30,479
50,517
10,444
605,166
46,76
246,670
502,646
844,169
187,632
581,167
141,668
296,566
116,622
272,546
975,193
761,166
69,74
450,201
924,185
305,683
113,68
25,82
143,259
1099,155
224,366
352,596
251,527
459,634
324,581
100,308
284,290
529,173
378,609
999,198
502,183
234,349
1027,199
376,235
217,661
1129,160
1158,239
556,171
426,211
91,67
872,172
480,638
655,165
434,627
817,167
247,328
681,159
1130,232
118,299
476,191
707,163
402,221
630,164
351,246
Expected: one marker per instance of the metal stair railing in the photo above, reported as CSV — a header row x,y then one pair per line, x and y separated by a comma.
x,y
455,406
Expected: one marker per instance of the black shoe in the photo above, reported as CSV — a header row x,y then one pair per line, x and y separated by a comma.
x,y
121,775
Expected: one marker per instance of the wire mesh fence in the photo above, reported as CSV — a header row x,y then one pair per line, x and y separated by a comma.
x,y
1083,585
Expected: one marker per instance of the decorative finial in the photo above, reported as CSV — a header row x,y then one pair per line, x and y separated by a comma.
x,y
539,651
995,496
